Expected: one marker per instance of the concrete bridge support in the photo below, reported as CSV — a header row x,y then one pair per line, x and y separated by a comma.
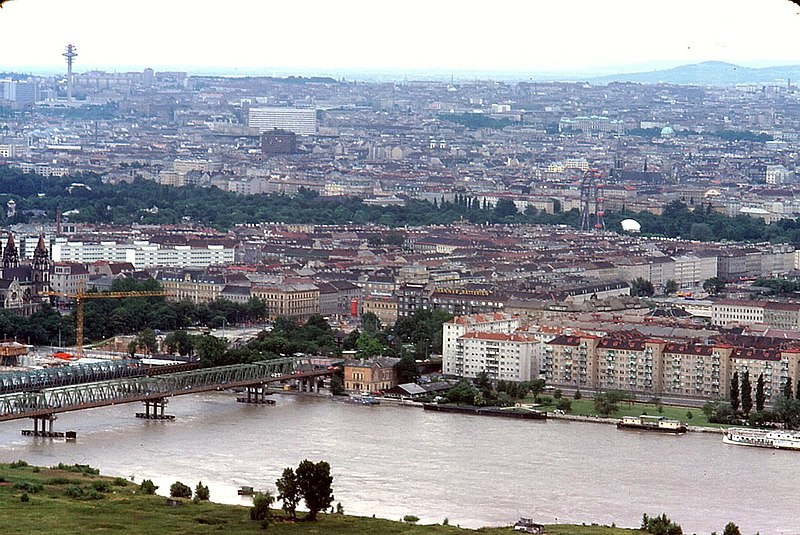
x,y
43,427
154,410
309,384
256,395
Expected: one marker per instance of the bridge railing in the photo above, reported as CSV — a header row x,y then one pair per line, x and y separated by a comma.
x,y
67,375
73,397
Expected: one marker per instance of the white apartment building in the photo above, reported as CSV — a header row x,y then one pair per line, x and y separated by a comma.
x,y
692,270
735,312
301,121
142,254
454,329
502,356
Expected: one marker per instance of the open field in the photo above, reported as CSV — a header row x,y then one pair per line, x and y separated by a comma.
x,y
75,500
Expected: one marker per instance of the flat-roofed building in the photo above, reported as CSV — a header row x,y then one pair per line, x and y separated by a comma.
x,y
289,300
301,121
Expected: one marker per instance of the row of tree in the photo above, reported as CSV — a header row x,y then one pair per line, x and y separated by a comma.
x,y
133,203
742,401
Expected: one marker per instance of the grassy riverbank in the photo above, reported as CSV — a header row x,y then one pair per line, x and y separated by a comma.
x,y
585,407
77,500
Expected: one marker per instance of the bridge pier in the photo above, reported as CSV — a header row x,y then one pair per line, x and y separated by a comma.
x,y
154,410
256,395
43,427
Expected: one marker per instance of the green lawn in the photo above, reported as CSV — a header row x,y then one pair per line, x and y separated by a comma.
x,y
585,407
109,505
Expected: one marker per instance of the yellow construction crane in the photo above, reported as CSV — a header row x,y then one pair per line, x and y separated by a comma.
x,y
81,295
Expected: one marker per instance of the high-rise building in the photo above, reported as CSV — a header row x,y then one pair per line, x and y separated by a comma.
x,y
301,121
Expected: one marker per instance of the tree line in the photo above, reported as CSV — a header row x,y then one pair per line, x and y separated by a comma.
x,y
747,402
147,202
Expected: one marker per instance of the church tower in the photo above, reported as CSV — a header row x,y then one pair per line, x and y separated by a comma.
x,y
40,267
10,256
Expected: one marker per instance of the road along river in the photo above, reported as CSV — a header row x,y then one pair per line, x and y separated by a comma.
x,y
391,461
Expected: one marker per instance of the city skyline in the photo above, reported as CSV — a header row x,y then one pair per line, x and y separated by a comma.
x,y
352,36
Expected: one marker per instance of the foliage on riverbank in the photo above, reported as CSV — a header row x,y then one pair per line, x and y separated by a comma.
x,y
587,407
74,499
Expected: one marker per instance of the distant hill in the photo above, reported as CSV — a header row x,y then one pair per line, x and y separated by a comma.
x,y
708,73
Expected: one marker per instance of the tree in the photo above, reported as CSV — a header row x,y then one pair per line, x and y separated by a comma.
x,y
288,491
462,392
201,492
262,501
179,342
731,529
760,393
747,393
504,209
714,285
660,525
210,350
482,382
147,340
370,323
179,490
670,287
407,369
368,345
641,287
787,389
536,388
337,386
148,487
735,392
605,404
314,481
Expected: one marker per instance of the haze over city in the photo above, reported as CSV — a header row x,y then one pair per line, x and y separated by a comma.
x,y
309,36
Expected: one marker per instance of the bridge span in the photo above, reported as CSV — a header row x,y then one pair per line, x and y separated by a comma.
x,y
47,402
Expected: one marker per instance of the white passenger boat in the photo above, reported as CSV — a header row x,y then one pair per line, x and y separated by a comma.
x,y
763,438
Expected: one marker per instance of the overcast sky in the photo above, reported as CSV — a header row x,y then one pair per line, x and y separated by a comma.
x,y
440,35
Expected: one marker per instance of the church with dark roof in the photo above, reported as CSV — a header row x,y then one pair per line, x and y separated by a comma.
x,y
24,286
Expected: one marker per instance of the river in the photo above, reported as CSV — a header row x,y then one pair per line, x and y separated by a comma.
x,y
391,461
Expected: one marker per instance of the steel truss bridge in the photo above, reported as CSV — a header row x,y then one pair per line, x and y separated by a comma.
x,y
49,401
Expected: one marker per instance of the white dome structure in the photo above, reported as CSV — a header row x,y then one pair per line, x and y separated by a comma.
x,y
630,225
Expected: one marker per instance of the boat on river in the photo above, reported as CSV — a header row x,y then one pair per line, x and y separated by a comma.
x,y
360,399
762,438
660,424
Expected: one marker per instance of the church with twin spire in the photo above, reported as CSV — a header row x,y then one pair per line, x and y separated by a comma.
x,y
24,285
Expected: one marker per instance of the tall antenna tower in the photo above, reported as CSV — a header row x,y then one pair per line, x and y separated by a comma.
x,y
70,54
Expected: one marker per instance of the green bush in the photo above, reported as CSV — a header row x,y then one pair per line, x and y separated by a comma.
x,y
201,492
93,494
120,482
74,491
24,498
564,404
101,486
18,464
148,487
62,481
77,468
179,490
29,486
411,519
262,501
